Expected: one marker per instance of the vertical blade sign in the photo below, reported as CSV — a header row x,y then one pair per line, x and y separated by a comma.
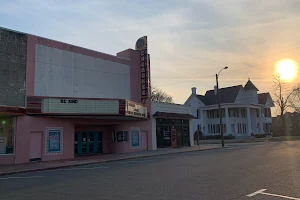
x,y
141,46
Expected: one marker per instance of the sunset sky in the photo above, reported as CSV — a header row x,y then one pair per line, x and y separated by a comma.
x,y
189,41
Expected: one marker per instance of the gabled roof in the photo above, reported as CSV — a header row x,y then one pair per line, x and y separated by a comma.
x,y
227,95
250,86
262,98
202,98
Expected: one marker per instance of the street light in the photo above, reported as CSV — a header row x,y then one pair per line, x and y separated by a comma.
x,y
220,111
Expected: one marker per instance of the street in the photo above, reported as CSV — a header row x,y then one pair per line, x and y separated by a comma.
x,y
229,173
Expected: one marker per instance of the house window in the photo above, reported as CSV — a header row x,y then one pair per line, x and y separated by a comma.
x,y
198,113
243,112
244,128
214,129
122,136
237,112
233,128
224,128
199,127
7,136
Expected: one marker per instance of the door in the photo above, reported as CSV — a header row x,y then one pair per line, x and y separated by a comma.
x,y
35,148
88,142
144,140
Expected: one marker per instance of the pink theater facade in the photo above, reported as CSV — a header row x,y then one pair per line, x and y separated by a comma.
x,y
59,101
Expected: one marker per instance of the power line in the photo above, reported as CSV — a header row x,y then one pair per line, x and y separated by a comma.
x,y
234,64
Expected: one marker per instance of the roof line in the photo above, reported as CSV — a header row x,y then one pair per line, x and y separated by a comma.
x,y
64,43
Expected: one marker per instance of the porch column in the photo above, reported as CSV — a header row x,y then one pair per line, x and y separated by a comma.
x,y
249,127
228,126
191,132
261,125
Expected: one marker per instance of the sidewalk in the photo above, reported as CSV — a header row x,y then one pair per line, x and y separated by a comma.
x,y
84,160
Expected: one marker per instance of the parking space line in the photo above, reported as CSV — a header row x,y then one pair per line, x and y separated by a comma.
x,y
257,192
270,194
27,177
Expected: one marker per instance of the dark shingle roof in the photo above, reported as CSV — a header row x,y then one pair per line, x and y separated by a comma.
x,y
227,95
250,86
262,98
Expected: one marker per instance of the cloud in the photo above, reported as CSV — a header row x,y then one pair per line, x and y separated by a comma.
x,y
192,38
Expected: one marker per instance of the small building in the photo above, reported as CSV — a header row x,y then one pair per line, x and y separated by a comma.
x,y
165,117
244,112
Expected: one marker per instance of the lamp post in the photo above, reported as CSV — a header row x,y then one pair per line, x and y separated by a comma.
x,y
220,111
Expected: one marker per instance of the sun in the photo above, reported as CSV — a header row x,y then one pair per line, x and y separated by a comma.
x,y
286,69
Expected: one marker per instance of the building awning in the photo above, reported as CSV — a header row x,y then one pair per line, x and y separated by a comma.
x,y
11,111
173,115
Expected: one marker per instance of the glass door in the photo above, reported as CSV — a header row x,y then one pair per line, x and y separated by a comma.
x,y
88,143
186,138
84,142
99,144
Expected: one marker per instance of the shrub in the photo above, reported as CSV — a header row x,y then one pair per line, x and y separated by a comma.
x,y
260,135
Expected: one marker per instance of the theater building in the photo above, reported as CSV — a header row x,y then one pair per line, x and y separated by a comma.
x,y
59,101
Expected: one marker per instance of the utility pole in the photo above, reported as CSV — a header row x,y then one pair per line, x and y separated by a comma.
x,y
198,136
220,111
219,105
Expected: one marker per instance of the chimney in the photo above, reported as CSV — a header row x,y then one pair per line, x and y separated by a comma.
x,y
194,90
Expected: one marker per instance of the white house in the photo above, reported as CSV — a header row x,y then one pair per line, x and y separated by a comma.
x,y
244,111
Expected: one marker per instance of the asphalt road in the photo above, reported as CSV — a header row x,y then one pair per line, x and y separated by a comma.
x,y
223,174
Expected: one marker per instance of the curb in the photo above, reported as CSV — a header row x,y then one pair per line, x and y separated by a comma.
x,y
102,161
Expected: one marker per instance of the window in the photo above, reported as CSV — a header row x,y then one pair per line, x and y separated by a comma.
x,y
199,127
7,136
233,128
257,113
237,112
243,112
122,136
214,129
224,128
218,128
198,113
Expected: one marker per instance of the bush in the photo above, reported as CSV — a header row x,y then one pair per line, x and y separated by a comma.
x,y
260,135
229,137
218,137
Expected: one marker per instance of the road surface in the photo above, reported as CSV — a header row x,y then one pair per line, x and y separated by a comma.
x,y
222,174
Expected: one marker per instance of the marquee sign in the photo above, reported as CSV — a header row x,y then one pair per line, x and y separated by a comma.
x,y
79,106
142,47
135,110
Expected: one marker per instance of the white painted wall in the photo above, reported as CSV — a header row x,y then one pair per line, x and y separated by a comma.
x,y
60,73
269,103
195,103
247,97
170,108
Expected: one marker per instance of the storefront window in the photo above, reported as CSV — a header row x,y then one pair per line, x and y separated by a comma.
x,y
122,136
7,136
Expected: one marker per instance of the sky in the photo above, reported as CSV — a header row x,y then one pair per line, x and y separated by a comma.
x,y
189,41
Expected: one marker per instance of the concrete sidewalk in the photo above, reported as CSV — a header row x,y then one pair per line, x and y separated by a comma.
x,y
84,160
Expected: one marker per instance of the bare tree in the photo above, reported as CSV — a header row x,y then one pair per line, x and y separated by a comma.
x,y
159,95
295,102
284,98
